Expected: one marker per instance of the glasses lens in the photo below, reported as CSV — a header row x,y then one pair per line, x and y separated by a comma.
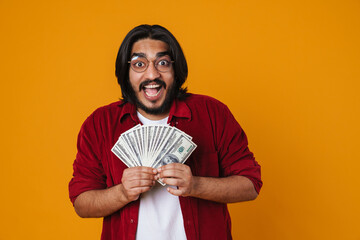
x,y
163,64
139,64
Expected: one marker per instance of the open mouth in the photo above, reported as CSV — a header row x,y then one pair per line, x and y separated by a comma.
x,y
152,90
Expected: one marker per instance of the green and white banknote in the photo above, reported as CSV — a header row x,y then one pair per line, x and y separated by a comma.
x,y
153,146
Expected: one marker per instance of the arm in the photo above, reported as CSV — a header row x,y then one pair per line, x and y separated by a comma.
x,y
101,203
225,190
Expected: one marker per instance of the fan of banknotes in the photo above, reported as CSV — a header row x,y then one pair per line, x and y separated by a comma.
x,y
153,146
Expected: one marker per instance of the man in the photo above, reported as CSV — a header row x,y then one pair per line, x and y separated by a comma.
x,y
151,69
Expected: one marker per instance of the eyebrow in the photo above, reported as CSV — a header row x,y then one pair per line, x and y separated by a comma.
x,y
159,54
138,55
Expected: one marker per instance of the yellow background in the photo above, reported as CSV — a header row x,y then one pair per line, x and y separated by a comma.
x,y
288,70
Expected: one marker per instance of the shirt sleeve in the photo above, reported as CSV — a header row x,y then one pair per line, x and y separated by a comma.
x,y
235,156
88,170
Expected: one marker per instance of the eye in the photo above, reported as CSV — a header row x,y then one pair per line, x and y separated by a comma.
x,y
139,64
163,63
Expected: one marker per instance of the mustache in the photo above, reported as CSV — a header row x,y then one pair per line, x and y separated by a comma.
x,y
157,81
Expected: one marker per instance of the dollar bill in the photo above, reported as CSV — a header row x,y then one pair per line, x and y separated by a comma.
x,y
153,146
179,152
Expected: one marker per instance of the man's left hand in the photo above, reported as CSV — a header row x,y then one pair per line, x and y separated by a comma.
x,y
178,175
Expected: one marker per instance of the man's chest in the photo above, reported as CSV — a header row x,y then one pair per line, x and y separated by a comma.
x,y
203,161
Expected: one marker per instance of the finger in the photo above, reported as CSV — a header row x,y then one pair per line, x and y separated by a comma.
x,y
138,174
140,190
149,170
174,181
172,166
133,194
175,192
143,169
174,173
132,184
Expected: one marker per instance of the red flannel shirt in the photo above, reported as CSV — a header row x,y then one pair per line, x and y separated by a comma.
x,y
222,151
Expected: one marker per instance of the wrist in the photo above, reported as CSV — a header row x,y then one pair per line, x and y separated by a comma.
x,y
194,186
122,197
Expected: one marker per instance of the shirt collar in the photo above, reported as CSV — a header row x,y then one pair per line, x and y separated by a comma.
x,y
178,109
128,109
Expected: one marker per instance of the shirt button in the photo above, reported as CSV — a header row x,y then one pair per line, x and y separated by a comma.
x,y
131,220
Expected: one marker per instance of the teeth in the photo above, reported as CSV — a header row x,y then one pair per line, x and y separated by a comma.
x,y
152,86
152,89
153,95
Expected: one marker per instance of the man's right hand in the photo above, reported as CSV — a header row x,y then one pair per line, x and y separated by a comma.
x,y
103,202
136,180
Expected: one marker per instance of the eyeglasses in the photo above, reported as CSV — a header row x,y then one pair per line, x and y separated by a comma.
x,y
140,64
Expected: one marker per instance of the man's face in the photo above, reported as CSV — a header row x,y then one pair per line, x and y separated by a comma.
x,y
153,89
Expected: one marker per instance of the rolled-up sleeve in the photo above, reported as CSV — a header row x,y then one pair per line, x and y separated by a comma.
x,y
88,170
234,154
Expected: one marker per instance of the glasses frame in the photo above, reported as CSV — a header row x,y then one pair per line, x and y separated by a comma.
x,y
153,61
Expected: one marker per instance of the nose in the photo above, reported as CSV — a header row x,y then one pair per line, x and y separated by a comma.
x,y
151,72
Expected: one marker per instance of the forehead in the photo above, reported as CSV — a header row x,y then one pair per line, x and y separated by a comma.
x,y
149,47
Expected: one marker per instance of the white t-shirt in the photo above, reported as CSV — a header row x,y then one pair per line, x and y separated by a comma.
x,y
160,216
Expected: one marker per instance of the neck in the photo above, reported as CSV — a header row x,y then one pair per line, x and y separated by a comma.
x,y
153,116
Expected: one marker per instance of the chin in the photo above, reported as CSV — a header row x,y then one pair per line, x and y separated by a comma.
x,y
161,106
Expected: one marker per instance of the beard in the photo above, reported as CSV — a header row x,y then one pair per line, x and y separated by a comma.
x,y
165,106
